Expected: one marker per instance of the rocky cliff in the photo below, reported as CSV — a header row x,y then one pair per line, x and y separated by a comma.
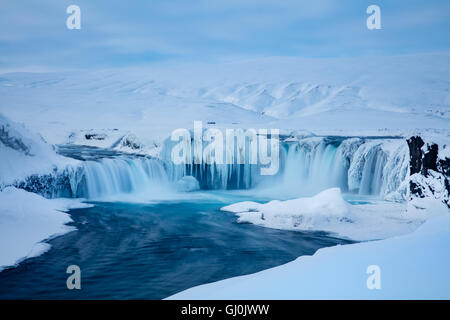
x,y
429,173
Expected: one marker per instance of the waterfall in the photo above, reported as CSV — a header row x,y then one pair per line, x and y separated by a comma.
x,y
365,166
313,165
233,175
222,176
109,177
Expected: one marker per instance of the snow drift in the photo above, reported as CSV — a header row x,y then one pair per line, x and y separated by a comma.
x,y
25,154
328,211
27,220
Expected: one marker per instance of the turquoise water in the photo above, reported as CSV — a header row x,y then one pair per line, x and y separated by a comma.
x,y
151,251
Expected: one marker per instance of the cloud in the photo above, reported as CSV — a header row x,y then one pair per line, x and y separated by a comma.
x,y
122,33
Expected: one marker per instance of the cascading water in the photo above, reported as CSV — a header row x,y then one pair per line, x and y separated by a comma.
x,y
372,174
363,166
311,166
233,175
222,176
110,177
307,166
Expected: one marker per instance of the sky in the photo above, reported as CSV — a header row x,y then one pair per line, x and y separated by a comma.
x,y
34,36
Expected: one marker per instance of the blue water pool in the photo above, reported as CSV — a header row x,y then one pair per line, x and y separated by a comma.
x,y
151,251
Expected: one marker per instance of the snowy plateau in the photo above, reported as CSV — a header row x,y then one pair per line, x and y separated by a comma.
x,y
375,127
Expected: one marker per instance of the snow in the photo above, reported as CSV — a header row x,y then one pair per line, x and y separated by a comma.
x,y
101,138
428,207
431,137
432,186
353,96
413,266
444,151
328,211
24,153
26,220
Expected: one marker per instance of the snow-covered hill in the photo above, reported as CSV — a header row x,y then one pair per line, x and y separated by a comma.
x,y
24,153
382,95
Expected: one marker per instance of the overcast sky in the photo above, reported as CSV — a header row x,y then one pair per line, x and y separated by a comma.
x,y
34,37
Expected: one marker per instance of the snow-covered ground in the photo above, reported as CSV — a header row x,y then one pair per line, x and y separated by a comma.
x,y
413,266
353,96
27,220
24,153
328,211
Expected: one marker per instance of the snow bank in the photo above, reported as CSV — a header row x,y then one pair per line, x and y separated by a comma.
x,y
442,139
27,219
328,211
23,153
326,204
413,266
432,186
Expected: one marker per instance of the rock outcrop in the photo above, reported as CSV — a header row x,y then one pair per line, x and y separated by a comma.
x,y
429,175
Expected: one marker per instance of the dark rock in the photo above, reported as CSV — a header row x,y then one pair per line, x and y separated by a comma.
x,y
415,145
429,161
95,136
422,163
444,166
416,189
13,142
55,184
